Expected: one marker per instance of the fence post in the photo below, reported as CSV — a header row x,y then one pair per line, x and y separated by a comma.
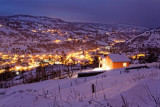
x,y
93,90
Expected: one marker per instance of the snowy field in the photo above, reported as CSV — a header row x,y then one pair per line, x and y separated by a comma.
x,y
116,88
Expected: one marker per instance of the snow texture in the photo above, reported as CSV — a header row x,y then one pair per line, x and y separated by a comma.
x,y
118,58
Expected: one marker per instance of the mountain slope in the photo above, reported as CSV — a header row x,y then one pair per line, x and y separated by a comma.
x,y
38,34
149,38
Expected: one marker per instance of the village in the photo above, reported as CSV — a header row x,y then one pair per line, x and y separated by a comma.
x,y
79,53
34,68
27,62
51,76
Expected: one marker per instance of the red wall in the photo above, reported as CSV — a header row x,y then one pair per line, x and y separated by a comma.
x,y
115,65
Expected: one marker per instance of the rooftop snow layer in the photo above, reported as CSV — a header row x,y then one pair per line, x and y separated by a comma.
x,y
118,58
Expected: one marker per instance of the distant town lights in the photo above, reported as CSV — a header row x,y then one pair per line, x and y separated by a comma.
x,y
69,39
119,41
18,68
29,62
82,56
34,31
57,41
17,73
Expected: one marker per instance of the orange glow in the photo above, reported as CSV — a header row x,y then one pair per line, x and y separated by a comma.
x,y
82,56
34,31
20,62
57,41
2,70
119,41
18,68
69,39
138,56
141,55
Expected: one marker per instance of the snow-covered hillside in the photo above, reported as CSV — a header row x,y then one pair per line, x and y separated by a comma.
x,y
114,88
149,38
38,34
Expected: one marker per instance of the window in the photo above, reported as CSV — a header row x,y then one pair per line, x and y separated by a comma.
x,y
124,64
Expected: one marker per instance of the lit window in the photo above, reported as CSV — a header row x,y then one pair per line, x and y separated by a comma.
x,y
124,64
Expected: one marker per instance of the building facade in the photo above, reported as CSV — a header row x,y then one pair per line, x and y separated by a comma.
x,y
114,61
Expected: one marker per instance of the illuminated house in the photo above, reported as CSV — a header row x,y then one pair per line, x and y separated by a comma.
x,y
114,61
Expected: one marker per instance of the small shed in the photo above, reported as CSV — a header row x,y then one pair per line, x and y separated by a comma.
x,y
114,61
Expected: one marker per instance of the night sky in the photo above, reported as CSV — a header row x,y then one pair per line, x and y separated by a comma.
x,y
138,12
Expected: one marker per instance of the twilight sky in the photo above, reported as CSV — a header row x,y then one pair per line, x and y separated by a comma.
x,y
138,12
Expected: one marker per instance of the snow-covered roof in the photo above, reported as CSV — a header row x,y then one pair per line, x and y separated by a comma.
x,y
118,58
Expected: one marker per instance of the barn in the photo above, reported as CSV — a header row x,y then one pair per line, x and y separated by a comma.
x,y
114,61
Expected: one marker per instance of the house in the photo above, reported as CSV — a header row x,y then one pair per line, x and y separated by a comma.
x,y
114,61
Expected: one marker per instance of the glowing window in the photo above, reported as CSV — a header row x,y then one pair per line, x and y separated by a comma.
x,y
124,64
